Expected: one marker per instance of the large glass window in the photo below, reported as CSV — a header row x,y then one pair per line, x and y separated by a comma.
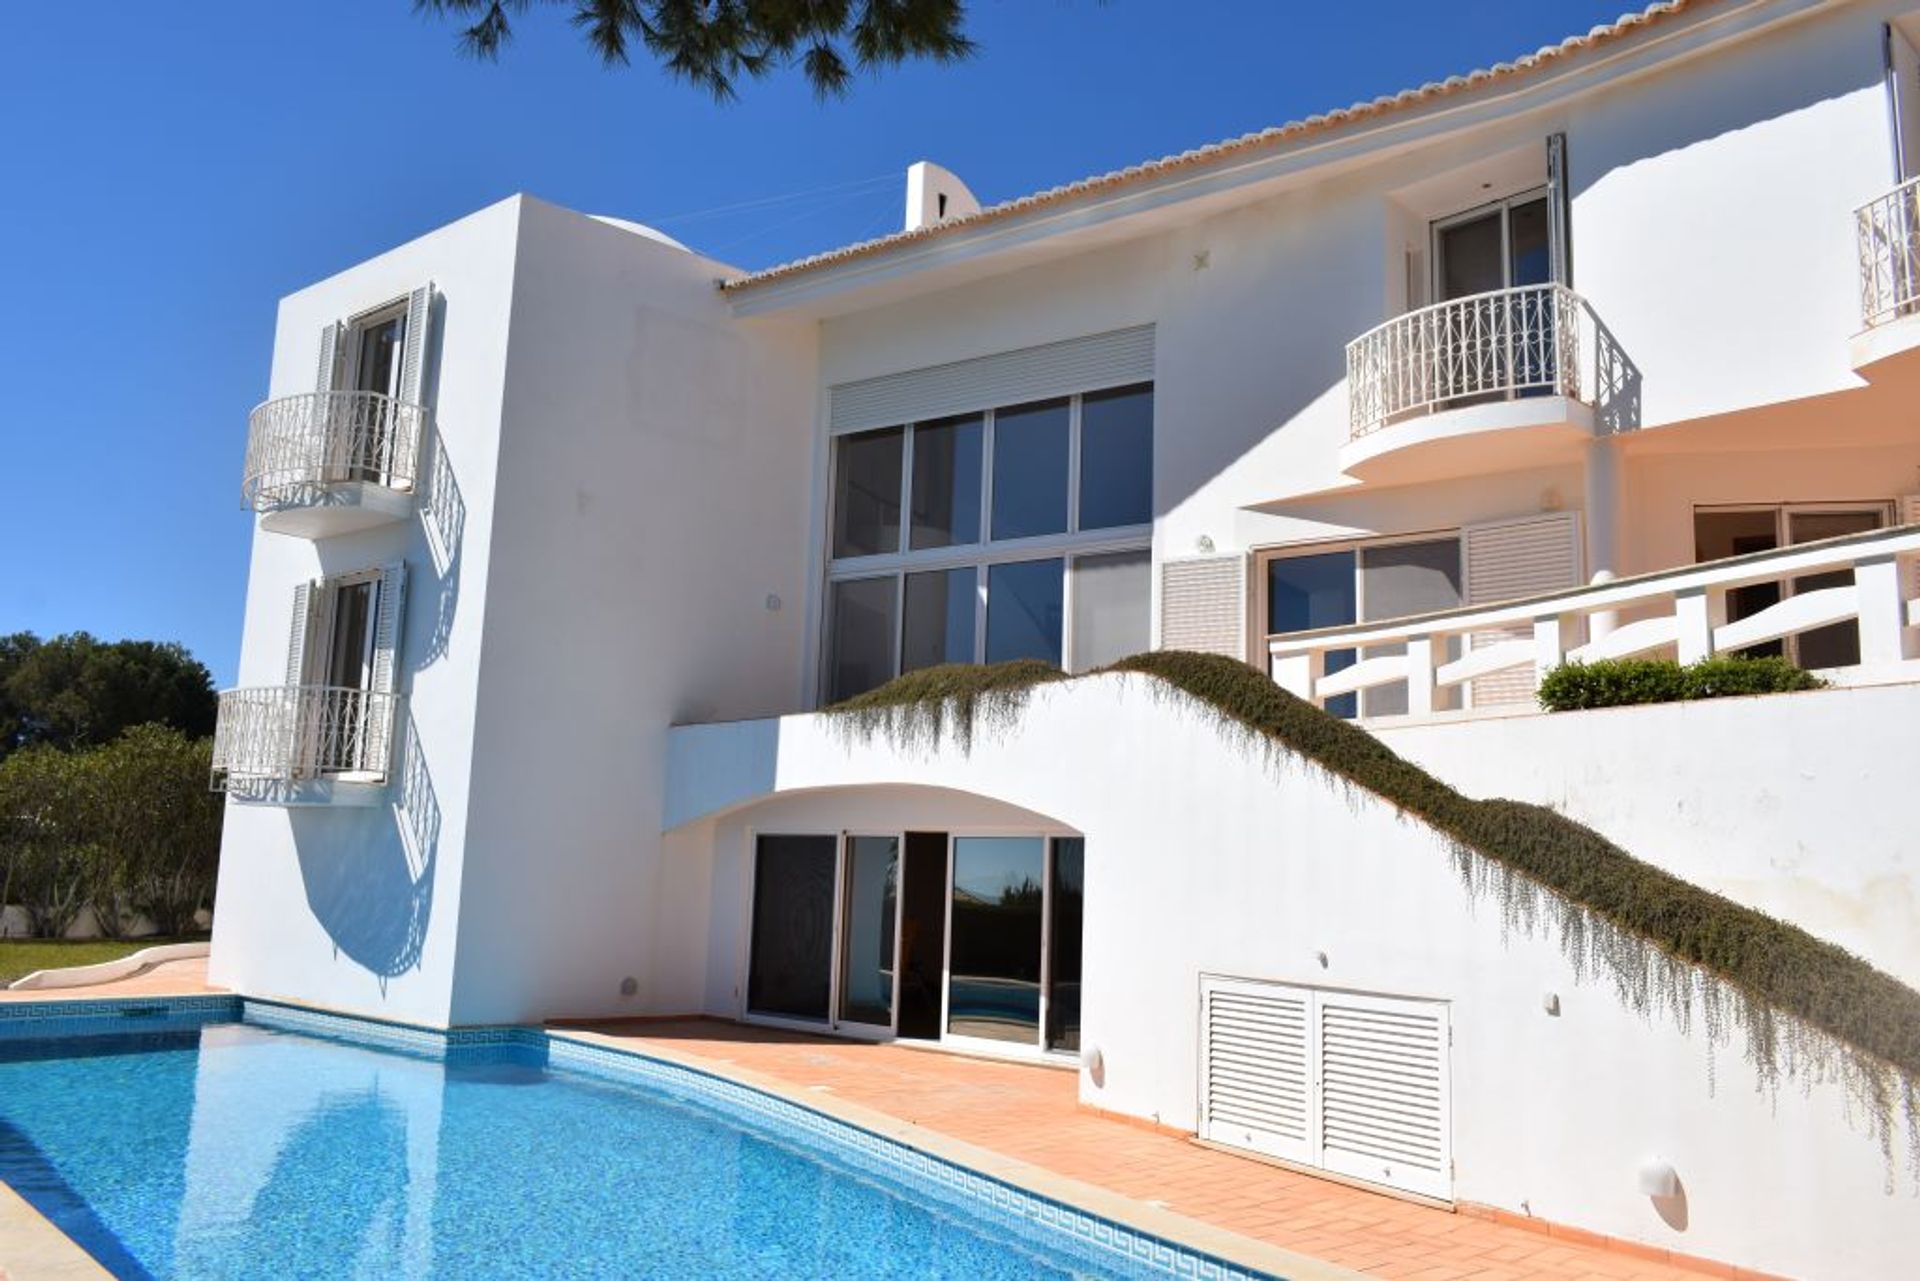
x,y
946,482
866,498
1368,583
862,636
1116,458
866,943
938,628
993,988
1024,608
1071,478
1739,531
1110,607
1064,915
1030,470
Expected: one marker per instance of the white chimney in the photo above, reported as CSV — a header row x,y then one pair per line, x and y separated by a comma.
x,y
935,195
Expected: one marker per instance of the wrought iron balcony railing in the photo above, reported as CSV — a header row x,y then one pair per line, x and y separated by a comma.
x,y
1887,231
299,446
287,732
1540,340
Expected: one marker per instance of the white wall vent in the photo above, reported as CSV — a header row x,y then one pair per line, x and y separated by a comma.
x,y
1032,373
1509,559
1355,1084
1203,605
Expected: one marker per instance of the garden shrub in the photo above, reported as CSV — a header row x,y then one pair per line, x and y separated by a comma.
x,y
1624,682
1650,924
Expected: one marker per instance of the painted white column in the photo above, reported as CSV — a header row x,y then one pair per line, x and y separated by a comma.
x,y
1601,526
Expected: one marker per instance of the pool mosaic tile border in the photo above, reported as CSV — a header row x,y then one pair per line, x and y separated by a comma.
x,y
1036,1218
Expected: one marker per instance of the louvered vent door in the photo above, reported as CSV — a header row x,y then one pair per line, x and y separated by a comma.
x,y
1509,560
1354,1084
1256,1073
1383,1091
1203,605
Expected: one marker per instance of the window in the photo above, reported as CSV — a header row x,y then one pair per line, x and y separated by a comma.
x,y
1737,531
1366,582
376,353
343,663
1018,532
1499,246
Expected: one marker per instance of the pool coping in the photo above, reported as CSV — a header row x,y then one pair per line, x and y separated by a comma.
x,y
32,1248
1020,1180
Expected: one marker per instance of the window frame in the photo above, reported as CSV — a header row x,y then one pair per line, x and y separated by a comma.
x,y
357,328
986,551
1503,206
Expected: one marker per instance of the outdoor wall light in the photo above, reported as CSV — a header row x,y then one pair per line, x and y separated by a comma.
x,y
1659,1179
1551,1004
773,602
1203,544
1095,1063
1322,958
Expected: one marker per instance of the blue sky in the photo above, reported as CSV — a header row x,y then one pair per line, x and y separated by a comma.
x,y
169,170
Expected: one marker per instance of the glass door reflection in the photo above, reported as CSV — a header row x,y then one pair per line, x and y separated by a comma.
x,y
870,896
994,938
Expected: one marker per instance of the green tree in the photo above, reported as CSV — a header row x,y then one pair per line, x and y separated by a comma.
x,y
717,43
45,859
75,691
153,828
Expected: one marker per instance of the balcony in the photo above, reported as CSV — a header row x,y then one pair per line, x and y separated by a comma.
x,y
322,743
1887,235
328,463
1497,654
1490,382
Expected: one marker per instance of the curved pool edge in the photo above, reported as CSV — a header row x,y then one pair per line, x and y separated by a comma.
x,y
996,1185
33,1249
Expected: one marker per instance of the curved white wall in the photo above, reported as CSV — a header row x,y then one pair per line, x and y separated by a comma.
x,y
1201,857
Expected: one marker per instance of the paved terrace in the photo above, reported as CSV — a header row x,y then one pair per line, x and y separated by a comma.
x,y
1031,1115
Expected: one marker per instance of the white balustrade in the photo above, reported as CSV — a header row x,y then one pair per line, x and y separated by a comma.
x,y
1532,340
1682,611
298,446
1887,231
289,732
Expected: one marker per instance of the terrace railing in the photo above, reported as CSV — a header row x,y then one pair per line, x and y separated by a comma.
x,y
1535,340
1887,231
1683,610
298,446
286,732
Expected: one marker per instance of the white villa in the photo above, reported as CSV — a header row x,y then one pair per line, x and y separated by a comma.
x,y
566,533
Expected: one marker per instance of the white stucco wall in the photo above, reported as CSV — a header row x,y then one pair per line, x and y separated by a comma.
x,y
1203,859
330,905
1795,804
654,454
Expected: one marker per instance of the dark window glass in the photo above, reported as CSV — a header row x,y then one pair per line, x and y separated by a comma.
x,y
866,493
1308,592
1063,944
1030,470
350,652
378,363
1470,261
1719,534
1111,609
1024,611
1837,644
1116,458
946,482
1398,581
938,627
1529,259
993,990
790,971
860,652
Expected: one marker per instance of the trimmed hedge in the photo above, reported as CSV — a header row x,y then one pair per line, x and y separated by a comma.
x,y
1624,682
1764,959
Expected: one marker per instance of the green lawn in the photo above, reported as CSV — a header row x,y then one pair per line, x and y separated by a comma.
x,y
20,957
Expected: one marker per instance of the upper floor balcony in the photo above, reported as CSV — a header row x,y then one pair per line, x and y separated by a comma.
x,y
331,462
1887,235
1488,382
277,736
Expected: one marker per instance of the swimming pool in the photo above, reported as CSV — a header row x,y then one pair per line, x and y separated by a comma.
x,y
230,1138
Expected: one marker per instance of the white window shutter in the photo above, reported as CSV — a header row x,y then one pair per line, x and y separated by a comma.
x,y
1384,1099
331,340
388,622
1910,515
1256,1068
1509,560
413,355
1203,605
1559,212
299,632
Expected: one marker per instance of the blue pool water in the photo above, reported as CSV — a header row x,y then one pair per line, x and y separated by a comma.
x,y
233,1150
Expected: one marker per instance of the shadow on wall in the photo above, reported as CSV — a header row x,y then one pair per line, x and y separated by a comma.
x,y
443,515
369,882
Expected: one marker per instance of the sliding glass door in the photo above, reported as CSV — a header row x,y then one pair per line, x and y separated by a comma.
x,y
868,914
791,972
1013,941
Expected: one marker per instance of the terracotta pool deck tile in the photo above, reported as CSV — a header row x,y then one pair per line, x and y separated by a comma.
x,y
1032,1114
